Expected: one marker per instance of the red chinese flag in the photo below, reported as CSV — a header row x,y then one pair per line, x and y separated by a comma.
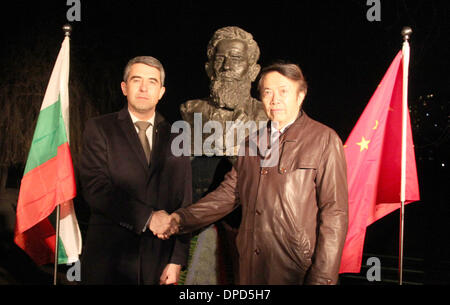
x,y
373,153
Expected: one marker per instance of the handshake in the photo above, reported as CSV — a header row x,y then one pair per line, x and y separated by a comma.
x,y
164,225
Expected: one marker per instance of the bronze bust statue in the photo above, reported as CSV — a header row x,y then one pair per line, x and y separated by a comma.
x,y
231,67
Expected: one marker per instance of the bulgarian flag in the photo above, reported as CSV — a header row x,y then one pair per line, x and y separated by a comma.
x,y
374,163
48,179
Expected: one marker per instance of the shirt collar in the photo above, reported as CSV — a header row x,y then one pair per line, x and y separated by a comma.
x,y
273,130
135,119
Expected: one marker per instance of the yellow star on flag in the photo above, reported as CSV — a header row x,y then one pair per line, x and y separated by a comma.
x,y
364,144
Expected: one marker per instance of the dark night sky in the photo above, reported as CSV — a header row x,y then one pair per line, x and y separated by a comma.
x,y
343,55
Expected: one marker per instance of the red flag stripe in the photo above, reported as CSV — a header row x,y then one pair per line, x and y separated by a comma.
x,y
38,242
43,190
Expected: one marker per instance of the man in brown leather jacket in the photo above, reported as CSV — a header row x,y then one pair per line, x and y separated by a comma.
x,y
294,210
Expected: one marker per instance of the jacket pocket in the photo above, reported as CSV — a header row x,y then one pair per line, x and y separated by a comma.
x,y
296,164
300,249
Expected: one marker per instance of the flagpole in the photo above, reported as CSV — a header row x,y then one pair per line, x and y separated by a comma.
x,y
67,30
406,33
55,273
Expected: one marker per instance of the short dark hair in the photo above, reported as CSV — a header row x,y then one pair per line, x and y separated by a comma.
x,y
146,60
289,70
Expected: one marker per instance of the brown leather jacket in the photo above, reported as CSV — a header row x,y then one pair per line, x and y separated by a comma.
x,y
294,215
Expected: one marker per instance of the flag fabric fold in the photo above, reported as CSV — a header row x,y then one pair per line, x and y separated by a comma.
x,y
48,179
373,153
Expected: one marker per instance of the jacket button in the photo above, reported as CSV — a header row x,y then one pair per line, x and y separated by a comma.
x,y
257,251
258,212
264,171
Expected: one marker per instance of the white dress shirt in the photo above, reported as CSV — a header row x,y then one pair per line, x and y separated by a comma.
x,y
275,133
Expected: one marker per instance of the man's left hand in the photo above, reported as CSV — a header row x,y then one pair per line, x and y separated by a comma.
x,y
170,274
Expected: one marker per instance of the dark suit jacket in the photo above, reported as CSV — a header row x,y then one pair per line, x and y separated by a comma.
x,y
122,191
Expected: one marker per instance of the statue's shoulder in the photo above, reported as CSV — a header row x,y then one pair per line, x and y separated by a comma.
x,y
189,108
195,105
256,108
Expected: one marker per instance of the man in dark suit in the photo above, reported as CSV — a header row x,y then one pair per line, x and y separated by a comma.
x,y
129,176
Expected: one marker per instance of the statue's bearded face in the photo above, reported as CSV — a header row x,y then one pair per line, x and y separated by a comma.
x,y
231,60
230,85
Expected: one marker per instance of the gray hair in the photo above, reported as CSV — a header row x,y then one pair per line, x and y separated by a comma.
x,y
234,32
146,60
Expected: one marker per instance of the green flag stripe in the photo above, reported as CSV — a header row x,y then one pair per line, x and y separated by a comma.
x,y
62,255
49,134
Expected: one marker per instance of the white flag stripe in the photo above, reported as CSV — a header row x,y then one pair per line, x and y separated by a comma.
x,y
58,86
64,84
56,78
69,232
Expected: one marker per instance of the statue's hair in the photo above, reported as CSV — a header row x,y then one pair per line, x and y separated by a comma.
x,y
146,60
234,32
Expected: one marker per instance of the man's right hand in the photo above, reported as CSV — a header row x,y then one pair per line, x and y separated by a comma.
x,y
163,225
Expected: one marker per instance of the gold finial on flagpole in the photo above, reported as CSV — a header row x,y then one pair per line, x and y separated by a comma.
x,y
67,28
406,33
